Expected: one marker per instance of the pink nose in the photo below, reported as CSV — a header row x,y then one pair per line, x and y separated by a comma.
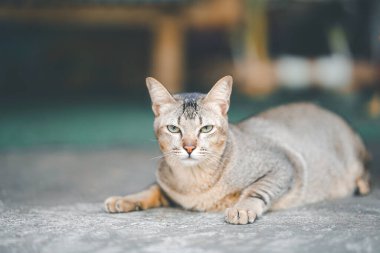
x,y
189,149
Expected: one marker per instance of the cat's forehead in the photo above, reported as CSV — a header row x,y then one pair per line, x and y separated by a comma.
x,y
190,105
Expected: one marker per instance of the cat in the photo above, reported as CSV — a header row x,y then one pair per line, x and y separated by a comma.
x,y
288,156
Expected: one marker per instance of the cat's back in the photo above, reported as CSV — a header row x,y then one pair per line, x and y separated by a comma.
x,y
291,115
300,119
294,112
305,127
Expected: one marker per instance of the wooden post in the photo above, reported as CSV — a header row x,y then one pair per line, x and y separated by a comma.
x,y
168,53
258,70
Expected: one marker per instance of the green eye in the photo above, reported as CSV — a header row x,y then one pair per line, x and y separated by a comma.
x,y
206,129
173,129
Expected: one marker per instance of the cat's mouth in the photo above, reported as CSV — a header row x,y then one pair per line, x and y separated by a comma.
x,y
190,160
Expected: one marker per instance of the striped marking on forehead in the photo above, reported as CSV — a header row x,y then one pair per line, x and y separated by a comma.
x,y
190,106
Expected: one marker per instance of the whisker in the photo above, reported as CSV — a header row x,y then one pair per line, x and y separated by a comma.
x,y
164,155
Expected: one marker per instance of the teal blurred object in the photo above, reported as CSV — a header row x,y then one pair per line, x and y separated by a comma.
x,y
80,124
102,123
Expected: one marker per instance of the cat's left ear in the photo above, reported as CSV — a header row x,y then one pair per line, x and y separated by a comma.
x,y
160,96
220,94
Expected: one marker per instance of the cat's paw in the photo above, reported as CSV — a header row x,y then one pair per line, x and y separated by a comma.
x,y
235,215
120,205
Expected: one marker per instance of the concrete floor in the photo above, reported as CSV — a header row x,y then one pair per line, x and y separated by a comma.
x,y
51,201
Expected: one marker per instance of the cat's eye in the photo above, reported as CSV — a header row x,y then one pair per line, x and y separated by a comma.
x,y
173,129
207,129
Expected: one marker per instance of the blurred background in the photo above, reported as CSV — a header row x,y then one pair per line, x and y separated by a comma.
x,y
76,124
72,72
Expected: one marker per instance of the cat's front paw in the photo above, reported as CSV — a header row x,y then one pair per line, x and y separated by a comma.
x,y
120,205
235,215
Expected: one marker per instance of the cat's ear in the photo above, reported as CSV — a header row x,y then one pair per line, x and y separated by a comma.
x,y
160,96
220,94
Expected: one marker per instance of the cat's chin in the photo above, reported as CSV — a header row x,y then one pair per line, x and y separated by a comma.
x,y
189,161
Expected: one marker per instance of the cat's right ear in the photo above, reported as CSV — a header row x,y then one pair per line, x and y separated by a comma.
x,y
160,96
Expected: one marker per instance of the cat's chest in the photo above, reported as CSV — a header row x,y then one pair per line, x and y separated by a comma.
x,y
215,198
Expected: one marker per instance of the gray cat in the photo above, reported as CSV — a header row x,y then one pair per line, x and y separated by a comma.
x,y
284,157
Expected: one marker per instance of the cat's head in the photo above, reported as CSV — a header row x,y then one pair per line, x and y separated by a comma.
x,y
191,128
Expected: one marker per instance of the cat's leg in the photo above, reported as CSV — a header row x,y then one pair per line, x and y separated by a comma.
x,y
363,184
149,198
258,197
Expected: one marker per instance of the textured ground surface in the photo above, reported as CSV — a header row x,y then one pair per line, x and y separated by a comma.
x,y
51,201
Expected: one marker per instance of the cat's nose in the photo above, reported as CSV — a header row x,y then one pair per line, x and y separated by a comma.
x,y
189,149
